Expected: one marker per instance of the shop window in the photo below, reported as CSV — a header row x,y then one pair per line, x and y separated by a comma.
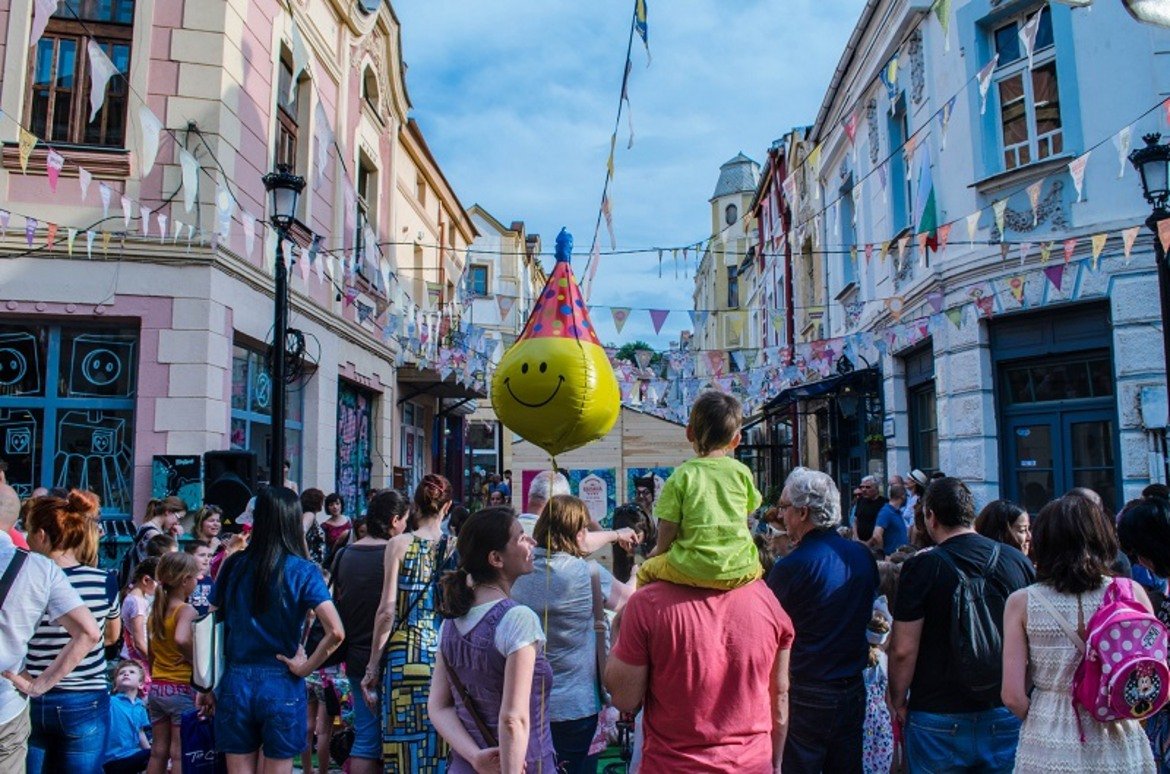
x,y
355,433
251,414
67,410
58,95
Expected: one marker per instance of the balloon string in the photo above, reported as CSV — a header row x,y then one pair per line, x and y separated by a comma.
x,y
547,596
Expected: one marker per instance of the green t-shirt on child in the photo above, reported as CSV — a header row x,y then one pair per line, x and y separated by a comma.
x,y
710,498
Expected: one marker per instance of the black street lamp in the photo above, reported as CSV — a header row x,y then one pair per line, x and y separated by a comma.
x,y
285,189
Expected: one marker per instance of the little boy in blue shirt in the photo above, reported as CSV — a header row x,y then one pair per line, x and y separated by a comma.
x,y
127,746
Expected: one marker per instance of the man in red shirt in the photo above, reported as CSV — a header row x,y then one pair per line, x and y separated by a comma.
x,y
711,670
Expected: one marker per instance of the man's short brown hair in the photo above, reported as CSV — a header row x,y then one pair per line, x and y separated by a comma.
x,y
715,419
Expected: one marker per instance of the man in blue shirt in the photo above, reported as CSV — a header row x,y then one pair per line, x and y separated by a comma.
x,y
889,531
827,586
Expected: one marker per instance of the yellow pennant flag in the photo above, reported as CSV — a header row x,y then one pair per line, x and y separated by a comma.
x,y
1098,241
1045,251
106,242
70,236
886,249
1016,284
27,142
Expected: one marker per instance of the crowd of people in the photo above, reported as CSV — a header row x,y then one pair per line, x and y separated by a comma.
x,y
909,633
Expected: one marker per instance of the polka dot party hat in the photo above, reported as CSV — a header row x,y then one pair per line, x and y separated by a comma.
x,y
560,311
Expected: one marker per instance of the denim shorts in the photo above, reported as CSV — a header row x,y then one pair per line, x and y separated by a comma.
x,y
168,701
261,707
367,727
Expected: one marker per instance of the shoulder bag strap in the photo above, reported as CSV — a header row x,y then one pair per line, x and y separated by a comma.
x,y
600,626
486,732
11,572
1065,626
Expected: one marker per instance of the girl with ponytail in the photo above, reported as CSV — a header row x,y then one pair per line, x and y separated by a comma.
x,y
170,657
70,721
491,653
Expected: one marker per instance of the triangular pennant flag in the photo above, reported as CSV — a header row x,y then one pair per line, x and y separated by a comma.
x,y
641,26
868,253
1121,141
658,318
4,217
972,225
54,162
145,213
51,238
225,208
70,237
1045,252
300,58
1025,251
902,244
162,226
1098,245
106,242
935,298
325,139
620,315
176,229
106,195
999,208
1076,170
944,119
101,69
896,305
942,9
127,211
1128,237
1055,274
302,264
42,11
1070,246
985,82
850,126
26,142
1016,285
642,357
944,236
1003,251
151,129
89,235
1028,35
249,233
84,178
922,239
1034,192
885,250
1164,234
30,230
504,304
190,178
607,212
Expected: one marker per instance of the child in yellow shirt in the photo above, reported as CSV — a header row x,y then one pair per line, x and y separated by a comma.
x,y
703,538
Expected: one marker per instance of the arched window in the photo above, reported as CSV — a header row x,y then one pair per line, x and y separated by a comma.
x,y
370,88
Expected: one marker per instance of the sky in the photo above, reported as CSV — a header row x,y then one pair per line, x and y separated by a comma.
x,y
517,100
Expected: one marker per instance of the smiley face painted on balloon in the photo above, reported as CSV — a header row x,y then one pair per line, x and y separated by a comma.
x,y
554,386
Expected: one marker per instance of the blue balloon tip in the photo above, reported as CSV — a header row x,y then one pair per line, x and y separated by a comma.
x,y
564,246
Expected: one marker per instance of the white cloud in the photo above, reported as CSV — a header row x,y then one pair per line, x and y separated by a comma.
x,y
517,101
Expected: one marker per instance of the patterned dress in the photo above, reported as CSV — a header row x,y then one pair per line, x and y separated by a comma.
x,y
1050,737
409,741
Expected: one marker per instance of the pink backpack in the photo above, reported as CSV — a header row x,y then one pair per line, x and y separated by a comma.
x,y
1123,673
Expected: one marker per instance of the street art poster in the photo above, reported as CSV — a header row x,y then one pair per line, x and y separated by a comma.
x,y
598,489
354,421
178,475
634,476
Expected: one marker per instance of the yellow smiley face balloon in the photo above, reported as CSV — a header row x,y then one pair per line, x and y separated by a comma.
x,y
555,386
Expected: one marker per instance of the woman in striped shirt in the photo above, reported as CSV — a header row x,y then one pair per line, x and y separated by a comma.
x,y
69,723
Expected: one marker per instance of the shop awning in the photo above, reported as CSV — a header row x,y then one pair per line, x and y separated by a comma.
x,y
414,382
866,381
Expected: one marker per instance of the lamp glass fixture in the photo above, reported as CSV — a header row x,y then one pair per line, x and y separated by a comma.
x,y
285,189
1153,164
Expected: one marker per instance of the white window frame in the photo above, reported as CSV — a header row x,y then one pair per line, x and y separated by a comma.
x,y
1034,142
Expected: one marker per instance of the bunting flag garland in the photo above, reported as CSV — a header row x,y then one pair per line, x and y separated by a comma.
x,y
249,234
84,178
1128,237
101,70
1055,274
620,315
850,126
1121,141
127,211
972,225
70,238
1034,192
224,209
658,318
885,250
106,194
985,82
936,298
902,243
642,27
190,167
889,76
151,130
54,163
1076,170
1003,251
1000,210
1028,35
51,237
629,109
1070,247
895,305
955,315
1098,241
177,228
106,242
42,11
868,253
607,213
26,142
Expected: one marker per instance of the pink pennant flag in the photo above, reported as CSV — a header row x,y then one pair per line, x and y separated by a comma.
x,y
1076,170
1070,247
52,237
868,253
944,236
1164,234
1055,274
658,318
935,299
1166,110
1128,237
54,161
851,127
620,315
902,243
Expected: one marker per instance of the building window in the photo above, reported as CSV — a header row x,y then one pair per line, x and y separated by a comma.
x,y
1029,99
370,88
67,410
287,113
923,401
848,235
733,287
899,181
420,189
367,191
478,279
58,95
414,449
355,434
731,215
251,417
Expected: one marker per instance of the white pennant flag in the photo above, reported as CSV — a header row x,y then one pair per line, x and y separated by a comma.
x,y
145,213
89,236
1034,192
1121,142
106,194
319,265
70,238
249,233
84,178
101,70
1076,170
972,225
41,13
176,229
127,211
162,227
151,129
324,140
224,209
300,58
999,208
190,178
1028,35
985,82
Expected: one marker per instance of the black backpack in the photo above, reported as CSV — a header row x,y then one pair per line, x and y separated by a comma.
x,y
130,561
976,639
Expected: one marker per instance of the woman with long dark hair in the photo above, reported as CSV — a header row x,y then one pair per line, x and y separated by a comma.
x,y
491,655
265,592
1005,522
1073,546
406,636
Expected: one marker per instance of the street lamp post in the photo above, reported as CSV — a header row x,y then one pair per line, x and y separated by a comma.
x,y
285,189
1153,165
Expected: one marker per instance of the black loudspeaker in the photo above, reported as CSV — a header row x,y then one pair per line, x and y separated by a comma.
x,y
229,481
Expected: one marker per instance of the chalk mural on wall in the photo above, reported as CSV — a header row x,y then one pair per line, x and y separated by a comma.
x,y
354,420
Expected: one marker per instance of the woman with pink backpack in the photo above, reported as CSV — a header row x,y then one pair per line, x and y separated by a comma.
x,y
1084,658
